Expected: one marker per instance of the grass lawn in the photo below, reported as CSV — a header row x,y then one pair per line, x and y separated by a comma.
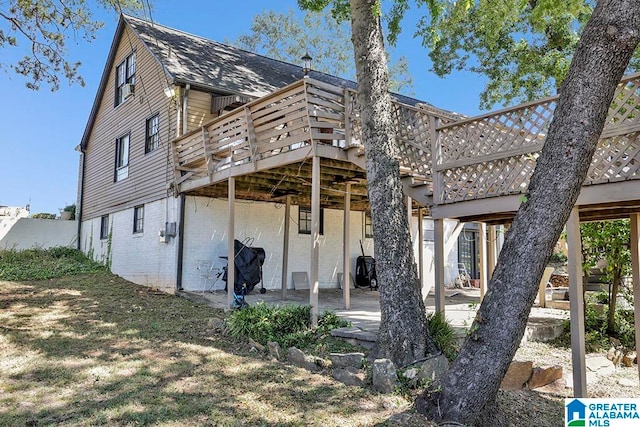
x,y
94,349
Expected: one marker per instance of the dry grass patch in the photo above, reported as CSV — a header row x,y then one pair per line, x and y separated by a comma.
x,y
97,350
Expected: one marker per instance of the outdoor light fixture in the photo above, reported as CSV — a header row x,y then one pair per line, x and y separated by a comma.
x,y
306,64
169,92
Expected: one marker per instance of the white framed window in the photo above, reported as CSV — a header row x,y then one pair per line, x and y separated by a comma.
x,y
122,158
125,75
152,134
304,221
104,227
368,228
138,219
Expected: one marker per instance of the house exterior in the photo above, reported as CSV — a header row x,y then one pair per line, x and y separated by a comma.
x,y
149,212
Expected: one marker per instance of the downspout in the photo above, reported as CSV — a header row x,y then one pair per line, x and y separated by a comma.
x,y
180,242
81,195
185,109
181,128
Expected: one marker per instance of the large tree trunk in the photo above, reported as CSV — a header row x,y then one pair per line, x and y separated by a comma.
x,y
599,62
403,335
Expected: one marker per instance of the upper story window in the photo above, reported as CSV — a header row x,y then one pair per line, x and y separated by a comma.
x,y
104,227
122,158
152,137
368,229
138,219
304,220
125,79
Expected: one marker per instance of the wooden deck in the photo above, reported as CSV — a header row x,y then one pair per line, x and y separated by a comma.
x,y
467,168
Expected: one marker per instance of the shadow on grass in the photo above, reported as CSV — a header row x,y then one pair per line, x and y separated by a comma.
x,y
98,350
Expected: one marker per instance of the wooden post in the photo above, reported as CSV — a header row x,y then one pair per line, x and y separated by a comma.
x,y
315,236
230,237
492,253
346,261
635,268
285,247
421,247
438,176
409,203
483,258
439,264
576,305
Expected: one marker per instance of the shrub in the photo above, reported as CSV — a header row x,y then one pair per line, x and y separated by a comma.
x,y
44,216
558,257
443,335
289,325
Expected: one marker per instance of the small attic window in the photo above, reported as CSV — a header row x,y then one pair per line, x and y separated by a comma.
x,y
125,79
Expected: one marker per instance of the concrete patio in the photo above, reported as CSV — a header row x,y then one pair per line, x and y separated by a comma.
x,y
461,306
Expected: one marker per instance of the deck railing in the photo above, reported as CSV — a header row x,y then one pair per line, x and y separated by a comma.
x,y
296,117
494,154
485,156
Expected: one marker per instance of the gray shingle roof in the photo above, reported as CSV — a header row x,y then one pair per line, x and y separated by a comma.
x,y
216,66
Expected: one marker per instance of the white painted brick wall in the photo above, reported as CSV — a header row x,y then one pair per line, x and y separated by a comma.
x,y
206,240
144,260
141,257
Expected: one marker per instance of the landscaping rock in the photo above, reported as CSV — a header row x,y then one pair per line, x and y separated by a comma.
x,y
349,376
556,387
617,358
340,360
544,375
384,375
411,373
599,365
517,375
628,358
297,357
432,369
275,350
256,345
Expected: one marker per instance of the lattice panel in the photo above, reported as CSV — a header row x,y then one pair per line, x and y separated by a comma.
x,y
616,159
625,107
414,141
513,129
488,179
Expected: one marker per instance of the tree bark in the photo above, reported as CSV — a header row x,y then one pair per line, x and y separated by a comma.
x,y
403,335
601,57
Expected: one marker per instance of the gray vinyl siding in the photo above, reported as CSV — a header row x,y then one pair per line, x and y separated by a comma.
x,y
149,173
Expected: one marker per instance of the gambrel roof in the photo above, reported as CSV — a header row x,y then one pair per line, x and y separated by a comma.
x,y
211,66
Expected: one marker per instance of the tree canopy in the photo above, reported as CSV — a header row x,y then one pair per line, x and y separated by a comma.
x,y
288,36
40,30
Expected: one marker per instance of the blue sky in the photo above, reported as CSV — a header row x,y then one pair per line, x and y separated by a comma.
x,y
40,130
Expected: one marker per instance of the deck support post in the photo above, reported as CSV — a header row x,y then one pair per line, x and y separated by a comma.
x,y
408,201
285,246
439,262
576,304
635,269
346,250
315,237
421,249
492,253
230,237
482,232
